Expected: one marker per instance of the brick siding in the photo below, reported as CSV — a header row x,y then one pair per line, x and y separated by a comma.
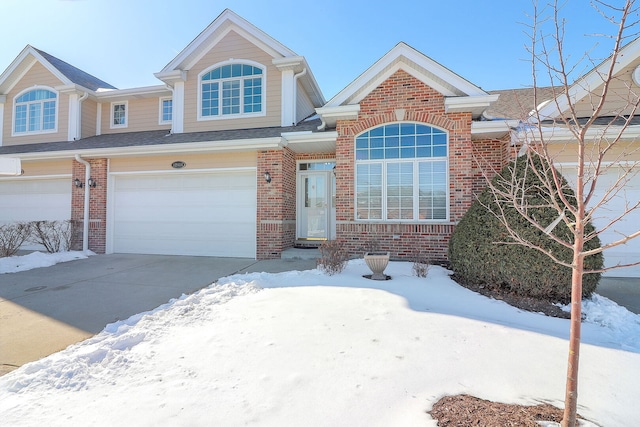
x,y
97,206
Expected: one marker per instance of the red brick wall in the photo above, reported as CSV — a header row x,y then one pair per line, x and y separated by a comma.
x,y
97,206
404,98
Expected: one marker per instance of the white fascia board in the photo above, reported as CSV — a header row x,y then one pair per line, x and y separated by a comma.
x,y
552,134
183,60
308,136
330,115
468,103
133,93
402,49
171,77
591,81
492,128
21,67
274,143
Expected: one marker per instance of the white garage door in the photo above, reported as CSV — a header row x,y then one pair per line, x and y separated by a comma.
x,y
629,252
35,199
211,214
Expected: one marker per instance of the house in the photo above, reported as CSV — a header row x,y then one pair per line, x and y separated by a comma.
x,y
237,153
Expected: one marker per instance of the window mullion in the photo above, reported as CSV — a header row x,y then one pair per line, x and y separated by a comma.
x,y
384,191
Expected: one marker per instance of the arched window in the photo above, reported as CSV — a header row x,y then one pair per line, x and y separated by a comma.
x,y
35,111
402,173
232,89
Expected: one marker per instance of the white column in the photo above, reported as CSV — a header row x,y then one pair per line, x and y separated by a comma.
x,y
178,107
99,119
288,92
3,99
74,110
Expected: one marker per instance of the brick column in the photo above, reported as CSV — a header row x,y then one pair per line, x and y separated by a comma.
x,y
97,206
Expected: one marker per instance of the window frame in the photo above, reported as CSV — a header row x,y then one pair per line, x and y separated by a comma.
x,y
384,185
161,120
241,114
27,132
112,115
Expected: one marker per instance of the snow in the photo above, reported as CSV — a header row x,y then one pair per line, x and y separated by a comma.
x,y
14,264
305,348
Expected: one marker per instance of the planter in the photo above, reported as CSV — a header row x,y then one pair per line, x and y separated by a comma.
x,y
377,262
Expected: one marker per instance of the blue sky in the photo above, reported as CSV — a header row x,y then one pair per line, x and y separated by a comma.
x,y
125,41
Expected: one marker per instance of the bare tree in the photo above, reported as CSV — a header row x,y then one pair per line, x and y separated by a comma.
x,y
12,236
586,124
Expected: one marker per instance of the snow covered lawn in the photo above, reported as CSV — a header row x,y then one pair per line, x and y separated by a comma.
x,y
307,349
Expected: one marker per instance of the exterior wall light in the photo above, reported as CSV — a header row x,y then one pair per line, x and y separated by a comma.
x,y
92,183
78,183
267,177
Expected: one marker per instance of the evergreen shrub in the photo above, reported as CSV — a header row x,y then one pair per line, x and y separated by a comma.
x,y
476,257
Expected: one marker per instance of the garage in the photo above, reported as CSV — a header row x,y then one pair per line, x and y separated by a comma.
x,y
202,213
35,199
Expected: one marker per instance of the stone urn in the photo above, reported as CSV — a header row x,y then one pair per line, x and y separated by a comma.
x,y
377,262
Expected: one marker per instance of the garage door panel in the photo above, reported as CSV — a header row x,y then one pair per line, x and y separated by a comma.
x,y
210,214
34,200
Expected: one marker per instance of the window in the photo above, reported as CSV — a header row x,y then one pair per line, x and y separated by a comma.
x,y
118,115
35,111
166,110
231,90
401,173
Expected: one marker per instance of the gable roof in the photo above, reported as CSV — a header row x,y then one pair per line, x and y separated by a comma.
x,y
461,95
518,103
210,36
75,75
591,81
66,73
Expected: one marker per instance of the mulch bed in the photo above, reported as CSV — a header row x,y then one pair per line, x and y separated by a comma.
x,y
467,411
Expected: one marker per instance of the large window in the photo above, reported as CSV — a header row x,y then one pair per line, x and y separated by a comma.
x,y
233,89
401,173
35,111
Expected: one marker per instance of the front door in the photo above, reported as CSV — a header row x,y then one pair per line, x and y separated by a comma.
x,y
316,211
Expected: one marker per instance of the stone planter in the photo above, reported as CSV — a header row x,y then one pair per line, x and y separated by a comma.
x,y
377,262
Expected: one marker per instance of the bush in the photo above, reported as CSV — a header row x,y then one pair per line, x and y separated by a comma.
x,y
333,257
12,236
476,257
421,265
55,236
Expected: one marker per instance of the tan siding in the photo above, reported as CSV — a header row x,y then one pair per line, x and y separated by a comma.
x,y
623,151
193,161
43,168
304,106
37,75
622,89
233,46
89,112
142,114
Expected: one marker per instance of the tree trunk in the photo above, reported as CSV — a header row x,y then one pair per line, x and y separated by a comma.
x,y
571,393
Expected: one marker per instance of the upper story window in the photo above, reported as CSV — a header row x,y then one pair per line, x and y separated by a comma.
x,y
166,110
231,90
402,173
119,118
35,111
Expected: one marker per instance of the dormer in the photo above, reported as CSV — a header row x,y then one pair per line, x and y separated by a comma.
x,y
235,76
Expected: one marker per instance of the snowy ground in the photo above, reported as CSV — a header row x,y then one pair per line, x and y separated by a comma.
x,y
307,349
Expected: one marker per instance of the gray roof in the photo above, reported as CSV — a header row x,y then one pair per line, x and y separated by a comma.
x,y
74,74
157,137
517,103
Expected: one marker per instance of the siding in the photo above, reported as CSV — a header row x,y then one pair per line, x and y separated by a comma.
x,y
37,75
193,161
304,106
623,151
89,113
233,46
142,114
43,168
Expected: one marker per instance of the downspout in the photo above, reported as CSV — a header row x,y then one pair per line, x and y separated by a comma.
x,y
85,229
79,128
172,96
295,93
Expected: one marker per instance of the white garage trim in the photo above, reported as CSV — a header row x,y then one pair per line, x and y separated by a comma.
x,y
209,212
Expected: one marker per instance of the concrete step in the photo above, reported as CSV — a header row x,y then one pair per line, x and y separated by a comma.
x,y
301,253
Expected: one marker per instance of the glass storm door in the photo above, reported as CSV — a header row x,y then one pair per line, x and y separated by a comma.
x,y
315,206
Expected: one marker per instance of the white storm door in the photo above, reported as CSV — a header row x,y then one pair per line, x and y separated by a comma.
x,y
314,205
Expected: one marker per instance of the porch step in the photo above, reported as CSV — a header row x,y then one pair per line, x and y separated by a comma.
x,y
301,253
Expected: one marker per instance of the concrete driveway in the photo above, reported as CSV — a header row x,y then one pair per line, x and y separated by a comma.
x,y
44,310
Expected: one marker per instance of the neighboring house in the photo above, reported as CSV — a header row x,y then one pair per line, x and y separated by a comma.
x,y
237,153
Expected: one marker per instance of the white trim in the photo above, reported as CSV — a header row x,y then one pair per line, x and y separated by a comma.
x,y
115,95
492,128
161,110
203,43
368,81
98,118
562,134
3,100
40,132
126,115
27,177
19,63
185,171
178,107
220,116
